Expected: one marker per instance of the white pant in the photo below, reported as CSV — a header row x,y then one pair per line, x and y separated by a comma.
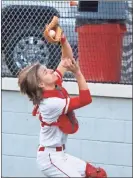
x,y
60,164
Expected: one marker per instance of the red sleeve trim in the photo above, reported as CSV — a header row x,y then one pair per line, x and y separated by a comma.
x,y
59,80
59,73
83,99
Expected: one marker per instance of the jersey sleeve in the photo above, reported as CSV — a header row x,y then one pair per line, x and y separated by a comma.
x,y
59,76
51,108
82,100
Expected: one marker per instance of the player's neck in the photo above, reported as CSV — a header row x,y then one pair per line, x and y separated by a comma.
x,y
50,87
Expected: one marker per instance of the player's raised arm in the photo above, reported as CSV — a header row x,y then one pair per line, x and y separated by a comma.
x,y
84,97
53,33
66,48
66,54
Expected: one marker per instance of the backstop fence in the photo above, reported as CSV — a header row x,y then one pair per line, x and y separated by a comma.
x,y
100,34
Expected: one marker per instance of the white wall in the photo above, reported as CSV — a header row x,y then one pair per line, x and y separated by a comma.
x,y
104,138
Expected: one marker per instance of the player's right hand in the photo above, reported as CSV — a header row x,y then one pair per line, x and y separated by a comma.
x,y
71,65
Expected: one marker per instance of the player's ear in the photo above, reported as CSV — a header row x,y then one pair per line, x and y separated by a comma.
x,y
41,85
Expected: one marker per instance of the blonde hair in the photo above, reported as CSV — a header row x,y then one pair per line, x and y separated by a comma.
x,y
28,83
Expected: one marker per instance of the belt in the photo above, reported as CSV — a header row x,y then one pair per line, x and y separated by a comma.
x,y
60,148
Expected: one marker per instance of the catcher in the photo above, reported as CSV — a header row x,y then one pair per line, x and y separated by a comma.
x,y
56,108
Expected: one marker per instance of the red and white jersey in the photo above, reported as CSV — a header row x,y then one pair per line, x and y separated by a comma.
x,y
57,103
50,109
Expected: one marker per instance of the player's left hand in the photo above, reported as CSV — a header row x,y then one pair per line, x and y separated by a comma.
x,y
53,25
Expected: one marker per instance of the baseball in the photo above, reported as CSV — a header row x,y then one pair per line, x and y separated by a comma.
x,y
52,33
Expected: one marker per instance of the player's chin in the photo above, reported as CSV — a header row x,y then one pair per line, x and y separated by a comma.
x,y
55,78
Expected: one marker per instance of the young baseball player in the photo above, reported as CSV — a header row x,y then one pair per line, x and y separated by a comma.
x,y
56,108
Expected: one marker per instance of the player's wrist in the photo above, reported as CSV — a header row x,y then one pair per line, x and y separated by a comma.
x,y
77,73
63,39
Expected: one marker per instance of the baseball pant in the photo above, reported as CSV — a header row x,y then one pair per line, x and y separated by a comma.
x,y
60,164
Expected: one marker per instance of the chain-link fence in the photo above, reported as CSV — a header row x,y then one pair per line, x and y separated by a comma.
x,y
99,32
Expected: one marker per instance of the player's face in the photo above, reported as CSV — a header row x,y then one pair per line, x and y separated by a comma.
x,y
46,76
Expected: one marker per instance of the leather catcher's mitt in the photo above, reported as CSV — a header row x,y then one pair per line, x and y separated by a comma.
x,y
53,25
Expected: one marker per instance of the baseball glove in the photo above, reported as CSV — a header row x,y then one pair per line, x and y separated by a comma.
x,y
53,25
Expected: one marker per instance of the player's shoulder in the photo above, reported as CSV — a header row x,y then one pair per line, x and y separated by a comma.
x,y
59,77
50,105
52,101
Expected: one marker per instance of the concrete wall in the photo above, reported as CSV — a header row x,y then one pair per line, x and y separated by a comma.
x,y
104,138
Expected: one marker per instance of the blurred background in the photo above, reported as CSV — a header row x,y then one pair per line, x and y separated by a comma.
x,y
99,32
